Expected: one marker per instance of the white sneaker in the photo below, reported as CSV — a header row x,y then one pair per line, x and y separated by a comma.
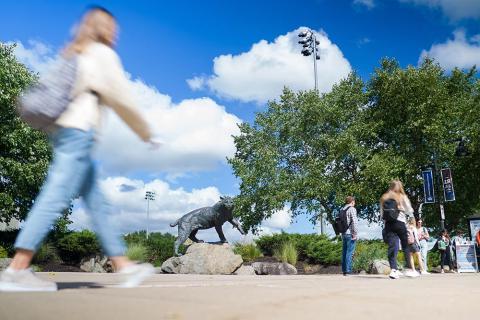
x,y
423,273
394,274
24,280
443,271
411,273
135,274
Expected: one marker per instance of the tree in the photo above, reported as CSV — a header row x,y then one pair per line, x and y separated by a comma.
x,y
309,151
300,152
24,152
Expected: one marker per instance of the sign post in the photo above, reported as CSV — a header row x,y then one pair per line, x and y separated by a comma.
x,y
466,257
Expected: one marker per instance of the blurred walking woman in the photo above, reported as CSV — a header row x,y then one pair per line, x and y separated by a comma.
x,y
395,207
99,81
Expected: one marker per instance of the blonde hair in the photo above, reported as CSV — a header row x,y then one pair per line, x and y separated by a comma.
x,y
393,193
97,25
397,184
412,222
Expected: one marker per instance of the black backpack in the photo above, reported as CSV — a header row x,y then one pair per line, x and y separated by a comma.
x,y
390,210
341,222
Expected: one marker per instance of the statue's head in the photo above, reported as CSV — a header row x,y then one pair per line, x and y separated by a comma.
x,y
227,202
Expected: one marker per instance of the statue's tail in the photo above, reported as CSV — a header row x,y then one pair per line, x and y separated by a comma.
x,y
174,224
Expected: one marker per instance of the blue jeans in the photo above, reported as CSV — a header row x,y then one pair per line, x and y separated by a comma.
x,y
347,252
72,173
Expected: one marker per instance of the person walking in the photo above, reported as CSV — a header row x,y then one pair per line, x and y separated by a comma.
x,y
349,236
414,242
395,207
423,237
100,80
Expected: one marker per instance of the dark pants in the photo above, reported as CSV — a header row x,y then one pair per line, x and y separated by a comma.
x,y
347,253
446,258
393,232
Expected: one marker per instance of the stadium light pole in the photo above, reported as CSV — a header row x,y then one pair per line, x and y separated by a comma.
x,y
310,48
149,196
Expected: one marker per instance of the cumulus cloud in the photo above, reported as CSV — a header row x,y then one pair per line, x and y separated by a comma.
x,y
367,3
128,209
461,52
196,133
128,204
261,73
454,9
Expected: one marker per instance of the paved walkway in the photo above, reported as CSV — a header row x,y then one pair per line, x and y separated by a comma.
x,y
93,296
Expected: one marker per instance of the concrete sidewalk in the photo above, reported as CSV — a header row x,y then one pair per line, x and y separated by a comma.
x,y
93,296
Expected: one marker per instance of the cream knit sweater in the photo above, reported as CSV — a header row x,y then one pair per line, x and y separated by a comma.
x,y
99,69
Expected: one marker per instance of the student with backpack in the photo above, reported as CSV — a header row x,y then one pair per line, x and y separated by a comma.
x,y
395,207
70,106
423,237
347,225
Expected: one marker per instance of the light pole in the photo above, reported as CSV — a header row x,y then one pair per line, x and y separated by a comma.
x,y
149,196
310,47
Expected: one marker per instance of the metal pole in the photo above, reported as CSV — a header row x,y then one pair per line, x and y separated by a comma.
x,y
440,191
315,60
322,225
148,215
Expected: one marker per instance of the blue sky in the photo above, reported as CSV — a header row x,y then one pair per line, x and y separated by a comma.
x,y
165,43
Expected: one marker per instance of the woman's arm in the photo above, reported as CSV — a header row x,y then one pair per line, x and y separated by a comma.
x,y
115,90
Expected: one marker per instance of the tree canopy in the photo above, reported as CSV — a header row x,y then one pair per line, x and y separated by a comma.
x,y
309,151
24,152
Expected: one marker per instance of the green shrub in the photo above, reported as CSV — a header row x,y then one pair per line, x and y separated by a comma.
x,y
249,252
366,252
160,247
287,253
77,245
136,237
3,252
325,251
269,244
7,240
137,252
47,253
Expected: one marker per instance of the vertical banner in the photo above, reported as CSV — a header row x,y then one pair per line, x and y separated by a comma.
x,y
428,186
447,181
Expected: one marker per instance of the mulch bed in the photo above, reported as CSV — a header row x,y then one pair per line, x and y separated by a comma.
x,y
59,267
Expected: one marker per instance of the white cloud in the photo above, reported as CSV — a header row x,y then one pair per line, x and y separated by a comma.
x,y
261,73
36,55
367,3
128,209
458,52
197,133
128,213
454,9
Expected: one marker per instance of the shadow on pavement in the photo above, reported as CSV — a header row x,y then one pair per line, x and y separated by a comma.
x,y
78,285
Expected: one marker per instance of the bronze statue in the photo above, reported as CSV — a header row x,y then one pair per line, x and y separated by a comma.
x,y
206,218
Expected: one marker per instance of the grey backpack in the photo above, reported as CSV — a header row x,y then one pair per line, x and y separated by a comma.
x,y
43,103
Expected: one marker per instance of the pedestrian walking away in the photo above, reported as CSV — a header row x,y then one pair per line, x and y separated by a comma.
x,y
99,80
349,220
395,207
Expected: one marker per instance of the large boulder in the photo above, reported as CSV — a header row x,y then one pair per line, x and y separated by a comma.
x,y
245,271
4,263
204,258
97,264
380,267
273,268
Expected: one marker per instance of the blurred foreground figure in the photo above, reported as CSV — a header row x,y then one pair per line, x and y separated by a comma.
x,y
98,80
